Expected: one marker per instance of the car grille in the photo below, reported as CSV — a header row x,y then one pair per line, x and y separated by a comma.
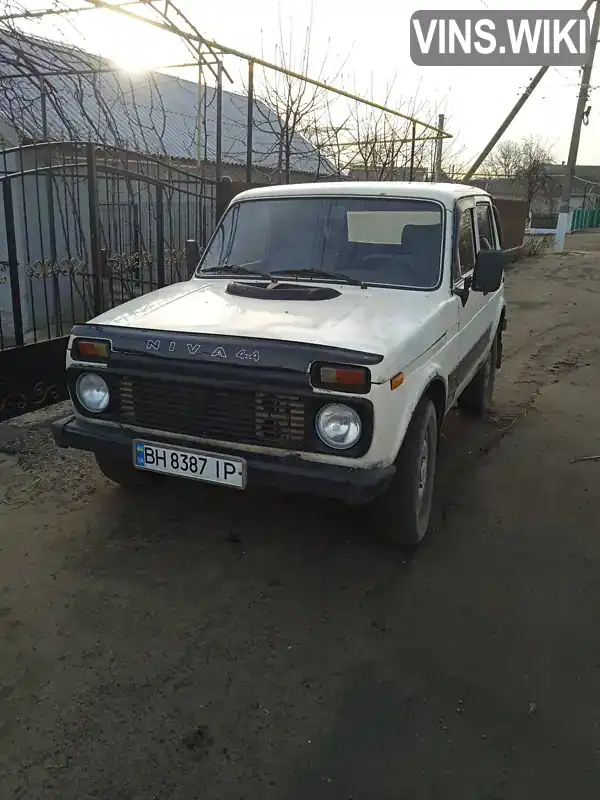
x,y
247,417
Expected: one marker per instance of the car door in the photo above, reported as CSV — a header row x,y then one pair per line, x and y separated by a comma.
x,y
473,312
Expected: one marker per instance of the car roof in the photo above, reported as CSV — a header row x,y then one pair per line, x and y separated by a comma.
x,y
446,193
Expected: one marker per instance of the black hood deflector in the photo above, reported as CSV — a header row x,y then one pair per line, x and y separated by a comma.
x,y
281,291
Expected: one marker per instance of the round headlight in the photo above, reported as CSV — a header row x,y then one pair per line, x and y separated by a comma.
x,y
92,392
338,426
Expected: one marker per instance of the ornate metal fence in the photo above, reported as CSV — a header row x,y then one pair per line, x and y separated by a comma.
x,y
83,228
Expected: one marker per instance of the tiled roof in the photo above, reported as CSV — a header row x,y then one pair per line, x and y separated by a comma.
x,y
152,113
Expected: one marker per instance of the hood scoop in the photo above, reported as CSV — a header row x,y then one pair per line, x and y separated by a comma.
x,y
275,290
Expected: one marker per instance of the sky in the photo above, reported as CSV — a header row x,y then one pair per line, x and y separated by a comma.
x,y
365,46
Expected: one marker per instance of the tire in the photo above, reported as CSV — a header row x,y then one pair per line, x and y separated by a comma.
x,y
476,399
123,473
402,515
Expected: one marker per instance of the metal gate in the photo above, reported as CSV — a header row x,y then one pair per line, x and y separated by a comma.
x,y
83,227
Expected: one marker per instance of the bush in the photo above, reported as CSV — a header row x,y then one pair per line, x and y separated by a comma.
x,y
537,245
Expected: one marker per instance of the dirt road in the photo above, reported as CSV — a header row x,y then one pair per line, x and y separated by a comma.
x,y
264,648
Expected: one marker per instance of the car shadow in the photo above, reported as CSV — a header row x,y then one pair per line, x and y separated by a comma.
x,y
185,520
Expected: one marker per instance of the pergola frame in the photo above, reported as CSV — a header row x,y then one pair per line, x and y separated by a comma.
x,y
167,17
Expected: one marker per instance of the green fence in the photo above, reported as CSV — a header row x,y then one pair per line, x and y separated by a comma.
x,y
585,218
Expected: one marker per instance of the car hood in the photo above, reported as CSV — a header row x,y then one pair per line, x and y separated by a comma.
x,y
371,320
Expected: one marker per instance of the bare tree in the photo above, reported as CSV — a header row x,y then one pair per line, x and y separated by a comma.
x,y
370,143
299,107
539,185
454,164
328,137
525,162
505,161
382,146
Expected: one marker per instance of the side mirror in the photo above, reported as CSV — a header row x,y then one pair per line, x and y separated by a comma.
x,y
489,269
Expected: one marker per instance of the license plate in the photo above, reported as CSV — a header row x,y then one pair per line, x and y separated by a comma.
x,y
195,464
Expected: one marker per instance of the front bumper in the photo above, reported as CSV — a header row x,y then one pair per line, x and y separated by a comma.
x,y
287,473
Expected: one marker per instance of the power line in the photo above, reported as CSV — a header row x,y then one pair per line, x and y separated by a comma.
x,y
583,180
520,103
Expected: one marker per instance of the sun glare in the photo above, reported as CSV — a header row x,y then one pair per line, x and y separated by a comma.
x,y
133,57
129,64
131,48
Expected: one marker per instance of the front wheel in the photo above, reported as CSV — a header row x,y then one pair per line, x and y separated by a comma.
x,y
402,514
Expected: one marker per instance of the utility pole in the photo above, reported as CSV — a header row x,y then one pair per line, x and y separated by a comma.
x,y
512,114
584,91
437,169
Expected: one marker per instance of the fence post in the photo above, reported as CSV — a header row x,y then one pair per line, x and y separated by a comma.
x,y
58,329
107,275
160,237
250,122
218,156
412,152
13,264
95,260
192,256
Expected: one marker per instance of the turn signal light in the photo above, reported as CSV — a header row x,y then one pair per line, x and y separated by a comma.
x,y
341,378
397,381
90,349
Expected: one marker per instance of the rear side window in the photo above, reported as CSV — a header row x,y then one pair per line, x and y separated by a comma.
x,y
485,226
466,243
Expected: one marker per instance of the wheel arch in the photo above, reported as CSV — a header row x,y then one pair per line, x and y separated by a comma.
x,y
436,389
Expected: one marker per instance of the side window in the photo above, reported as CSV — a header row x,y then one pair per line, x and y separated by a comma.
x,y
466,243
485,226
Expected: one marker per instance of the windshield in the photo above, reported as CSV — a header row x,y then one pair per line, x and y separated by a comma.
x,y
371,239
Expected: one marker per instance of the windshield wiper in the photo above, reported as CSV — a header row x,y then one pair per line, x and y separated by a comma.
x,y
318,273
231,269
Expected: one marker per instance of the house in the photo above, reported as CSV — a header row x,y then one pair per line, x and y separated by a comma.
x,y
513,188
585,191
387,173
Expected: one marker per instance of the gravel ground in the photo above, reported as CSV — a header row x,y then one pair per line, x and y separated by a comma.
x,y
195,647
